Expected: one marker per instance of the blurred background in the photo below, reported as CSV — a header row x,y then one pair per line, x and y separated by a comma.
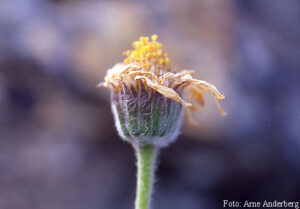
x,y
58,144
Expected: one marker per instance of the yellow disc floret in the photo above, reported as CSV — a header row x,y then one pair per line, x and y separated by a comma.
x,y
148,54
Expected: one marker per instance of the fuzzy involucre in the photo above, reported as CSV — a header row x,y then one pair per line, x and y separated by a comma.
x,y
146,118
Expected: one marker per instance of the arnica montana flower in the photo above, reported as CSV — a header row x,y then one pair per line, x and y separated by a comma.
x,y
147,95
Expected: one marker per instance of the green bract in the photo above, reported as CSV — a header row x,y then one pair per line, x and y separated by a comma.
x,y
146,117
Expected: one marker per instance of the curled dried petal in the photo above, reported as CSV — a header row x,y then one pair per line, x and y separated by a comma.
x,y
185,78
165,91
196,94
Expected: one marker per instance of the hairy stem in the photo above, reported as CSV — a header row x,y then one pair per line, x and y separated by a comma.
x,y
146,156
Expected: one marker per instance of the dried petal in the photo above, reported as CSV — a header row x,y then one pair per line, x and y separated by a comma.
x,y
167,92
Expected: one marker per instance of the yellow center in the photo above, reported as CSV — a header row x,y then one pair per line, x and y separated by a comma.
x,y
147,53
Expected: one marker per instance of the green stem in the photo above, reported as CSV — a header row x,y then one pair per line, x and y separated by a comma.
x,y
146,156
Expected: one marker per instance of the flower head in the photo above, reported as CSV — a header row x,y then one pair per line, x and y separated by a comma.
x,y
147,94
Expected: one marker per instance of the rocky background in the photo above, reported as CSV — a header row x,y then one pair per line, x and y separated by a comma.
x,y
58,145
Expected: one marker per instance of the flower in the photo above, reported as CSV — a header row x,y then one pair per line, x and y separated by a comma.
x,y
147,94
